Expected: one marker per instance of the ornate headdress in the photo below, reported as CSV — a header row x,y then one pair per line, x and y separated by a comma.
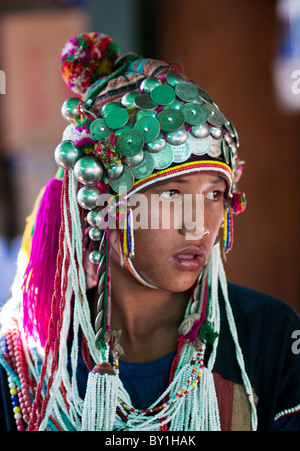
x,y
137,122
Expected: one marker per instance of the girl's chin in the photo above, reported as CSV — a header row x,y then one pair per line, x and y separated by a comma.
x,y
173,282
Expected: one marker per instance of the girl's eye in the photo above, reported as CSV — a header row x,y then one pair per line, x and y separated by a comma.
x,y
170,194
214,195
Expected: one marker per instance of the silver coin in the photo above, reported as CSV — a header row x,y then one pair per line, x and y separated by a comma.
x,y
215,148
216,132
128,99
144,102
178,137
201,131
142,113
225,151
164,158
182,152
145,168
236,136
115,171
186,91
204,95
199,146
124,182
228,138
173,78
215,116
135,160
234,149
108,107
233,162
157,145
176,105
149,83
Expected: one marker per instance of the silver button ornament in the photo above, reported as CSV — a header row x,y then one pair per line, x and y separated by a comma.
x,y
88,170
115,171
216,132
149,83
173,78
92,217
157,145
95,257
135,160
67,154
87,197
201,131
142,113
175,105
178,137
228,138
95,234
108,107
96,219
70,109
128,99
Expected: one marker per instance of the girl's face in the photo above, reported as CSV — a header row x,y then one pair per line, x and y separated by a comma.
x,y
181,220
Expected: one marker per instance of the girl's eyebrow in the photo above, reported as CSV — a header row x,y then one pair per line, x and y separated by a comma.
x,y
213,181
164,183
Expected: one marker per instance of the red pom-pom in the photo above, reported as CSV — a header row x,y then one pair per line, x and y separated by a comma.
x,y
86,58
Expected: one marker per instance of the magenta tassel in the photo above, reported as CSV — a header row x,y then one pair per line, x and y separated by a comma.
x,y
38,285
238,203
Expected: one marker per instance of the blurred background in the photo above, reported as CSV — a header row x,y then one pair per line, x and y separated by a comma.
x,y
246,54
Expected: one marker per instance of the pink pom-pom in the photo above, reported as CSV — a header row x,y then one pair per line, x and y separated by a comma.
x,y
86,58
238,203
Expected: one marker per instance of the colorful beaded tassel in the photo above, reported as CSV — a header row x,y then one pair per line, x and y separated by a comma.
x,y
228,230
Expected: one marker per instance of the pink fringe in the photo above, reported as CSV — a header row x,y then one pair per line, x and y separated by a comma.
x,y
38,285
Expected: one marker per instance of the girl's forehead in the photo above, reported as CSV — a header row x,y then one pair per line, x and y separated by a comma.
x,y
188,180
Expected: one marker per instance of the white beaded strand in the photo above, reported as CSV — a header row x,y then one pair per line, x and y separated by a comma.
x,y
239,353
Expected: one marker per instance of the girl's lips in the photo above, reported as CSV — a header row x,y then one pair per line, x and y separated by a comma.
x,y
190,259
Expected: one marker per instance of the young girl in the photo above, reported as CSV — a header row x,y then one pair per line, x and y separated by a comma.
x,y
124,319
